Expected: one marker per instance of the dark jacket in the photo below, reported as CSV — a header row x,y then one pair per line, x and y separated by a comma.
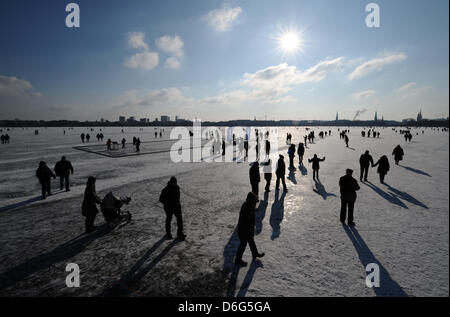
x,y
63,168
291,151
315,162
301,150
44,173
254,174
281,168
398,153
90,200
365,160
383,165
170,198
348,186
246,224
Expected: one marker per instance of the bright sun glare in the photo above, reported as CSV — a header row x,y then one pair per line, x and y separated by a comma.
x,y
290,42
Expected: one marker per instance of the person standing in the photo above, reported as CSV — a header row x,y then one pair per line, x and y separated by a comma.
x,y
63,169
89,206
267,174
398,154
44,174
348,187
246,230
316,165
138,144
280,173
346,140
383,167
267,146
255,178
291,153
300,152
123,143
364,162
170,198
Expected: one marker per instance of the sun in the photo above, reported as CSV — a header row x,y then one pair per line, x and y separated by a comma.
x,y
290,42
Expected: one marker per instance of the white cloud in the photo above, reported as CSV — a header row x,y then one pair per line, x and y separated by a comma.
x,y
363,94
171,44
145,60
406,87
222,19
137,40
12,86
172,63
376,64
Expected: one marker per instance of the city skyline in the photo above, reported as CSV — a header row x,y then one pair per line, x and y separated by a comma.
x,y
221,61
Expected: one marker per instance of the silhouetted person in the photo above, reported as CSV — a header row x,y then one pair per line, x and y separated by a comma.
x,y
364,162
300,153
63,169
255,178
398,154
246,229
88,137
44,174
89,206
156,134
170,198
123,143
267,146
267,174
82,137
346,140
348,187
280,173
138,144
383,167
108,144
316,165
291,153
223,147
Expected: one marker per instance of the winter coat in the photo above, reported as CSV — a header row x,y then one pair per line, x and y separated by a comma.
x,y
254,174
170,198
301,150
63,168
89,207
383,165
348,186
365,160
398,153
315,162
43,173
246,224
281,168
291,151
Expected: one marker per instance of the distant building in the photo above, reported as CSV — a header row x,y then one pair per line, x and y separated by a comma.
x,y
131,119
419,116
143,120
376,116
337,116
121,119
165,118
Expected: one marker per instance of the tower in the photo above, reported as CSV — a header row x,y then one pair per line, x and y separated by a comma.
x,y
337,116
419,116
376,116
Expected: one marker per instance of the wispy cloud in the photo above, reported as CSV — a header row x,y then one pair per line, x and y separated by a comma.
x,y
363,94
406,87
222,19
13,87
376,64
144,61
136,40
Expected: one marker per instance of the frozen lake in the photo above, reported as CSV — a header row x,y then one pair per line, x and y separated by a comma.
x,y
403,226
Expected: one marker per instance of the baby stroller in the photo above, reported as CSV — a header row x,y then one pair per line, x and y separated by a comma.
x,y
110,208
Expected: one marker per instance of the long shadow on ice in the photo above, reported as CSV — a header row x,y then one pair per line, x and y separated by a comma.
x,y
414,170
249,278
388,287
320,189
228,262
303,170
406,196
261,213
388,196
291,175
22,203
124,285
277,214
61,253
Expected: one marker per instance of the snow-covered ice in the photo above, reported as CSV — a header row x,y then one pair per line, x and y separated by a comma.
x,y
402,226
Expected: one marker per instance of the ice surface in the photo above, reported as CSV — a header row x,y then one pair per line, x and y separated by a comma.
x,y
402,226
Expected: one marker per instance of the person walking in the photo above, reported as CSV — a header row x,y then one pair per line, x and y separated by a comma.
x,y
170,198
246,230
316,165
280,173
300,153
267,168
89,206
255,178
346,140
398,154
267,147
63,169
138,144
383,167
291,153
348,187
44,174
364,162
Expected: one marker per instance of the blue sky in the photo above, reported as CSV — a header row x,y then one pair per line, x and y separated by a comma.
x,y
220,60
